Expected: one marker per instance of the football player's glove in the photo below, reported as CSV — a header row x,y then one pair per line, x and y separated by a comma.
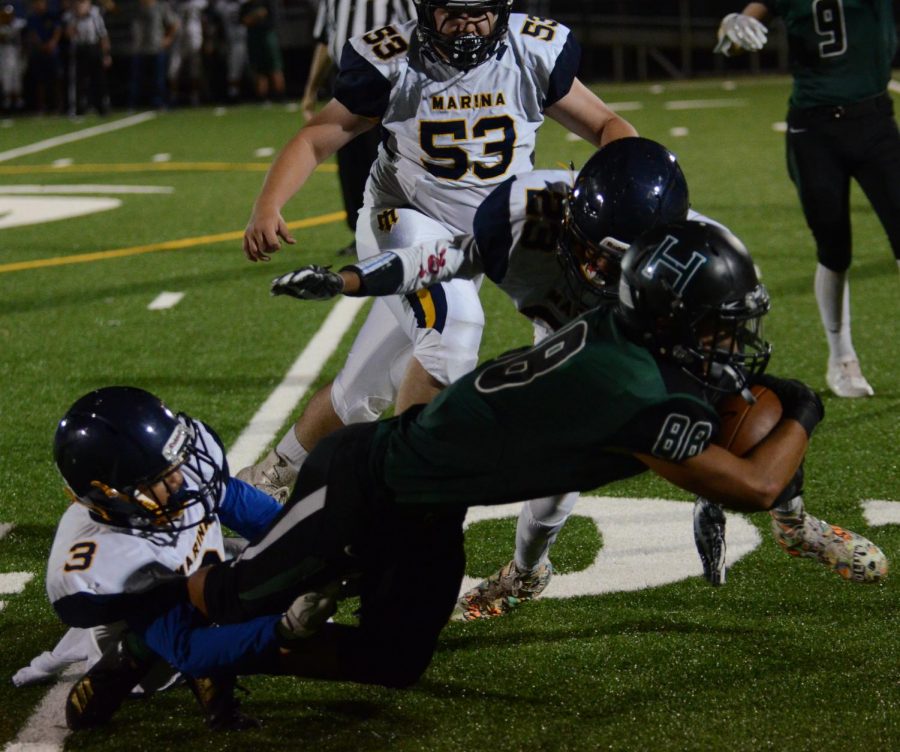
x,y
308,613
222,710
311,282
739,33
798,401
709,537
97,695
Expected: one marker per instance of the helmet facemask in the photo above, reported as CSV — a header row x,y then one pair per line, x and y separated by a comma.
x,y
138,506
592,267
463,51
723,348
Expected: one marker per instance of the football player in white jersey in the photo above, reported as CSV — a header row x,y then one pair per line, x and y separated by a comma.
x,y
152,492
459,95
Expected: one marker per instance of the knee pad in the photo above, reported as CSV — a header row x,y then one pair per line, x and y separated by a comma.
x,y
448,325
380,229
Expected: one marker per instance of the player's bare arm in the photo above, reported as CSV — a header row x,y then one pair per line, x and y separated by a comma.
x,y
588,116
333,127
745,484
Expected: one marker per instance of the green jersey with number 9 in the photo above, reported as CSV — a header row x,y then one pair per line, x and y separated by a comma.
x,y
840,50
594,399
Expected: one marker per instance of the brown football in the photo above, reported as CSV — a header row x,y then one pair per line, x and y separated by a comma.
x,y
744,425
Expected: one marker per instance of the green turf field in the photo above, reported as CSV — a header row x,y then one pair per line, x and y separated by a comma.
x,y
785,656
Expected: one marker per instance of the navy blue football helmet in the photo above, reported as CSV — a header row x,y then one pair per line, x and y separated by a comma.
x,y
116,442
465,50
690,293
627,187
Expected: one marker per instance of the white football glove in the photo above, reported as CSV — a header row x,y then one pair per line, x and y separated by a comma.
x,y
309,283
309,612
738,33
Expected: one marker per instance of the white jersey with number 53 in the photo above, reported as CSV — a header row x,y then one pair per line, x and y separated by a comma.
x,y
449,136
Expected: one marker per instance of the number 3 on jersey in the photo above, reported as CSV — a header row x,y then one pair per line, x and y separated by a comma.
x,y
451,162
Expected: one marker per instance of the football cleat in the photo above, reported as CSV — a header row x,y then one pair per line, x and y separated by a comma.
x,y
97,695
845,379
273,476
847,553
709,537
221,709
501,592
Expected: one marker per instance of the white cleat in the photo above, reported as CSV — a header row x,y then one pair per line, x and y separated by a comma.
x,y
845,379
273,476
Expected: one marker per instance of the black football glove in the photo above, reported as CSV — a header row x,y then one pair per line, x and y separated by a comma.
x,y
798,401
312,282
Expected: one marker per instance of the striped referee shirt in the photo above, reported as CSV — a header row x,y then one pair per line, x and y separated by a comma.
x,y
338,20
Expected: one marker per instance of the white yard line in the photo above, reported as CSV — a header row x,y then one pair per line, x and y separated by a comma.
x,y
894,86
8,190
68,138
165,300
703,104
283,401
45,730
14,582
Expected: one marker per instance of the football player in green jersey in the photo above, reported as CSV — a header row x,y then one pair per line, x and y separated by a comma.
x,y
840,126
611,394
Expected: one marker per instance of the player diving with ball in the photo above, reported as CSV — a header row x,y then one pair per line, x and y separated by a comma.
x,y
553,242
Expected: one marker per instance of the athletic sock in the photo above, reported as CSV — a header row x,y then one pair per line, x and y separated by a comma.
x,y
292,450
833,296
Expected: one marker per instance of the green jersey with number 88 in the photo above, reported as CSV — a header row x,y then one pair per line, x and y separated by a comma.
x,y
593,399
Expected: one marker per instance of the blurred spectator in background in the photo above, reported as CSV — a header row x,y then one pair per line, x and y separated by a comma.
x,y
43,34
153,30
12,58
90,57
262,48
336,22
186,59
233,36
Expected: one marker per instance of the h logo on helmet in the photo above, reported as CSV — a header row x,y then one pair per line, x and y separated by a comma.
x,y
683,272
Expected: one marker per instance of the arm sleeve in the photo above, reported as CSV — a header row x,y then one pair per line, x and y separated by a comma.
x,y
564,71
85,609
360,87
492,227
247,510
405,270
198,650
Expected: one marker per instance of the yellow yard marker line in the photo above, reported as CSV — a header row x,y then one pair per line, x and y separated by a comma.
x,y
167,245
147,167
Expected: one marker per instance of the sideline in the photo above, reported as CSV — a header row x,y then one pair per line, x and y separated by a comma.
x,y
167,245
96,130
